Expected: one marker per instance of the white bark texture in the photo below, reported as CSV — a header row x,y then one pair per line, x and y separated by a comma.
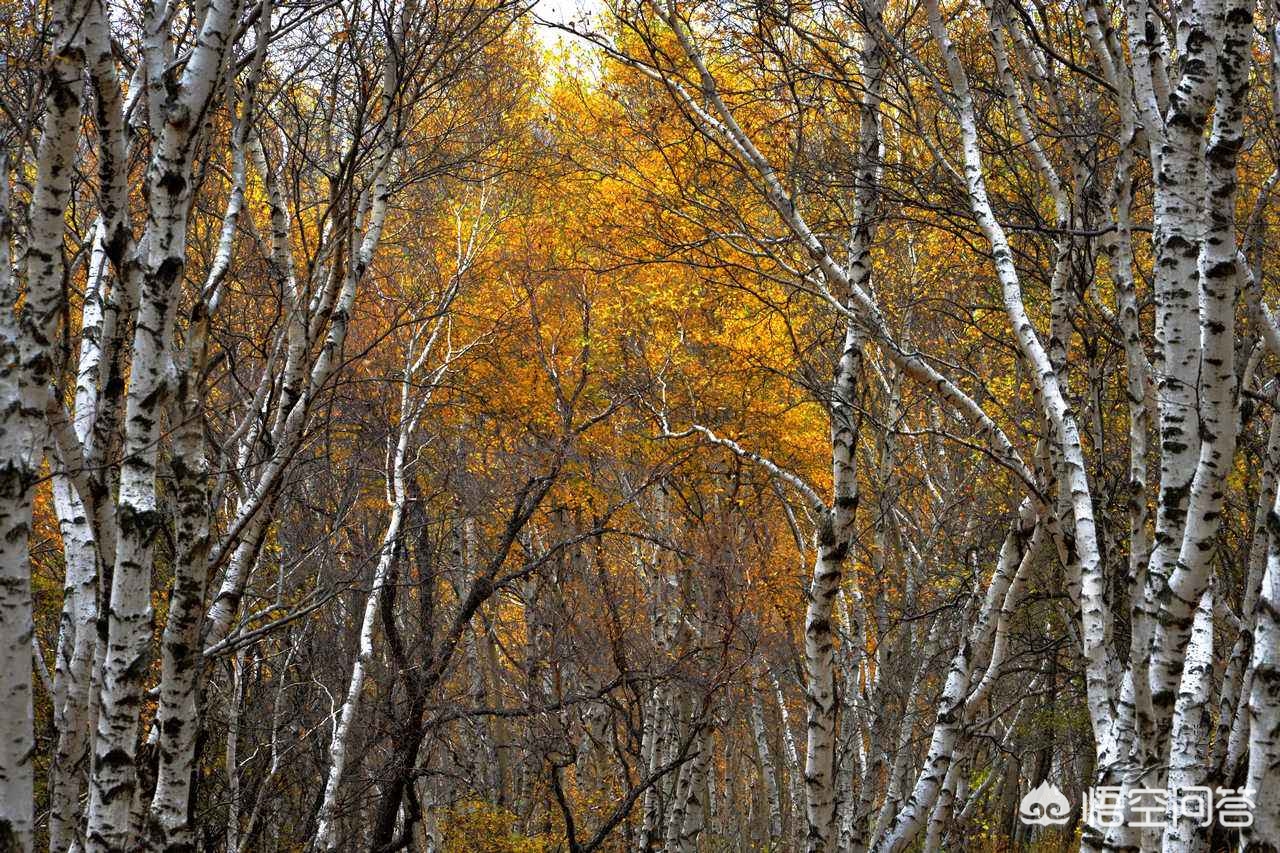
x,y
27,334
113,785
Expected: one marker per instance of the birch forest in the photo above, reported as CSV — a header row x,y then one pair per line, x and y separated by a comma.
x,y
528,426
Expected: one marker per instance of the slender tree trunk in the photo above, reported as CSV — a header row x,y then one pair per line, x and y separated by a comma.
x,y
833,540
768,772
1190,736
177,720
1218,274
795,787
326,832
74,667
27,340
114,779
1264,704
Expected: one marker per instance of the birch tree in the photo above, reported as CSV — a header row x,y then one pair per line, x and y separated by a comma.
x,y
1192,381
34,305
420,436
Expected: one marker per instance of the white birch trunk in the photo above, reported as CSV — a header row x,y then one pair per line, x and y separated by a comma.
x,y
832,544
686,815
1264,703
27,340
78,642
1190,736
177,717
984,638
902,753
114,778
74,667
768,771
290,428
795,774
1094,614
1218,275
326,832
695,807
412,403
918,805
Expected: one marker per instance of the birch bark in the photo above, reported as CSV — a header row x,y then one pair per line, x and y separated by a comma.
x,y
27,333
415,392
1264,703
113,780
1190,736
78,640
1218,276
177,717
768,771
